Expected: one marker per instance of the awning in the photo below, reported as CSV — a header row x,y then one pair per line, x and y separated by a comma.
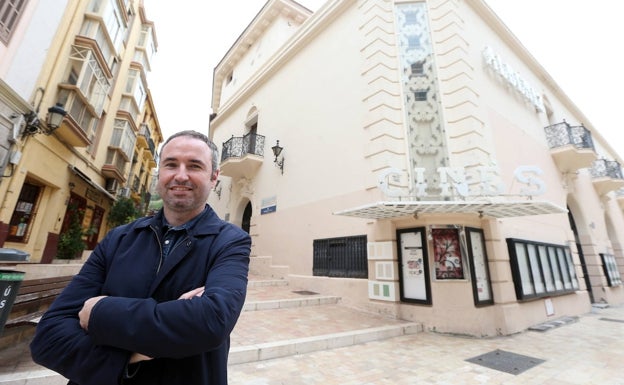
x,y
498,209
96,186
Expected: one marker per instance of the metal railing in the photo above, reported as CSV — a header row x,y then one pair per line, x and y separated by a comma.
x,y
341,257
606,168
563,134
237,147
144,130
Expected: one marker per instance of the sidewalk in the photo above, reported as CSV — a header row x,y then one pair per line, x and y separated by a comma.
x,y
318,341
589,351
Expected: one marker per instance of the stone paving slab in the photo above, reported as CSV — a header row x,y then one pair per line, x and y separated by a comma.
x,y
258,327
586,352
262,290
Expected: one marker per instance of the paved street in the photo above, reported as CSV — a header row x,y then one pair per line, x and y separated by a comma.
x,y
317,340
588,351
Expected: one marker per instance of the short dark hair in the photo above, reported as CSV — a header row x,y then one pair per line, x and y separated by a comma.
x,y
203,138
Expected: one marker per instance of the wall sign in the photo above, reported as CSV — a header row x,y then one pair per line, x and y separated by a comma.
x,y
447,256
456,179
513,78
269,205
414,266
479,269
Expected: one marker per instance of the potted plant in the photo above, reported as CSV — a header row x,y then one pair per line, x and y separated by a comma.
x,y
71,243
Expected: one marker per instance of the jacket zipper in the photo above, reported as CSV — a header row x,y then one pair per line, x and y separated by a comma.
x,y
160,261
161,249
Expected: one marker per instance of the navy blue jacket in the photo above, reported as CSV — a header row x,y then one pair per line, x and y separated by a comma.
x,y
189,339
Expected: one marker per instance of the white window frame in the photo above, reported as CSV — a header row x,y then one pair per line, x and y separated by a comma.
x,y
11,11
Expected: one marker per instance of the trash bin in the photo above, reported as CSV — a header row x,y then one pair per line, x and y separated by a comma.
x,y
7,254
10,281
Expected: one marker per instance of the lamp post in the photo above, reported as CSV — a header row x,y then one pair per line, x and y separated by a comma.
x,y
55,117
56,114
277,150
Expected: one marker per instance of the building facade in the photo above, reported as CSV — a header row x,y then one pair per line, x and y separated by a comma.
x,y
87,61
427,167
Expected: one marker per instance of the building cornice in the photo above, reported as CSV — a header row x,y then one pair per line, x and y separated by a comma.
x,y
308,30
490,17
11,98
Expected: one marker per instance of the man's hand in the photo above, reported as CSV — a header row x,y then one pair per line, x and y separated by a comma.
x,y
85,312
193,293
137,357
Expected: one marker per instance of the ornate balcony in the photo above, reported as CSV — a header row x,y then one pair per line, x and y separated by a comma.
x,y
81,120
115,164
571,147
145,141
607,176
242,156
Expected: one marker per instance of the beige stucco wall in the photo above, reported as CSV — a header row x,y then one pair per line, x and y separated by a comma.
x,y
336,107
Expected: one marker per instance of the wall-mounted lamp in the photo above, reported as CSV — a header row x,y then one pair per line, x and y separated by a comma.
x,y
217,189
55,117
277,150
72,186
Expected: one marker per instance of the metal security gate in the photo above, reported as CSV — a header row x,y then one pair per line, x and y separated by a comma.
x,y
344,257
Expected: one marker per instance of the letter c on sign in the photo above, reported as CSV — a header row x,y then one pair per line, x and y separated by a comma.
x,y
384,186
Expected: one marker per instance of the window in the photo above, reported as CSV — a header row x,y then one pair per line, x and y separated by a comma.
x,y
123,137
10,12
146,41
341,257
540,269
135,87
611,269
114,26
420,96
139,95
91,80
24,213
413,42
418,68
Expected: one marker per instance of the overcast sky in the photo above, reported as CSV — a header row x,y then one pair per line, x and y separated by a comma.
x,y
577,42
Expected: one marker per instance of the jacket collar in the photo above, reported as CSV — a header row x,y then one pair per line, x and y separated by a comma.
x,y
209,223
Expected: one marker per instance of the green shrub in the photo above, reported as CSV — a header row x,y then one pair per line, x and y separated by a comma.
x,y
121,212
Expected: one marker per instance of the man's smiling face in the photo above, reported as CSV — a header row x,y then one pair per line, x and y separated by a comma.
x,y
185,176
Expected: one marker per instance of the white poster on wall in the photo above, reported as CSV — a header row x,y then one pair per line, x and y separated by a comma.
x,y
413,266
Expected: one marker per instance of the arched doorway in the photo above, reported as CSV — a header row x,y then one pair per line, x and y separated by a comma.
x,y
247,217
579,248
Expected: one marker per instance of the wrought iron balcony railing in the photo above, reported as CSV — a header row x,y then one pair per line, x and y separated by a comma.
x,y
563,134
603,168
238,147
144,131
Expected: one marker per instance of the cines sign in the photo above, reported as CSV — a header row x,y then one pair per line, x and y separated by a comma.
x,y
456,179
513,78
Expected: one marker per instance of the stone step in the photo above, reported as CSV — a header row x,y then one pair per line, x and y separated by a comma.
x,y
289,303
259,282
291,347
33,377
278,321
272,333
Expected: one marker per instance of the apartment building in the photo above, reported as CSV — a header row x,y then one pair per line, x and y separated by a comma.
x,y
83,63
413,157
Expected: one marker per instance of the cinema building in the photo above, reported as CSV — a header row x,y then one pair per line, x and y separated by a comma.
x,y
414,158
